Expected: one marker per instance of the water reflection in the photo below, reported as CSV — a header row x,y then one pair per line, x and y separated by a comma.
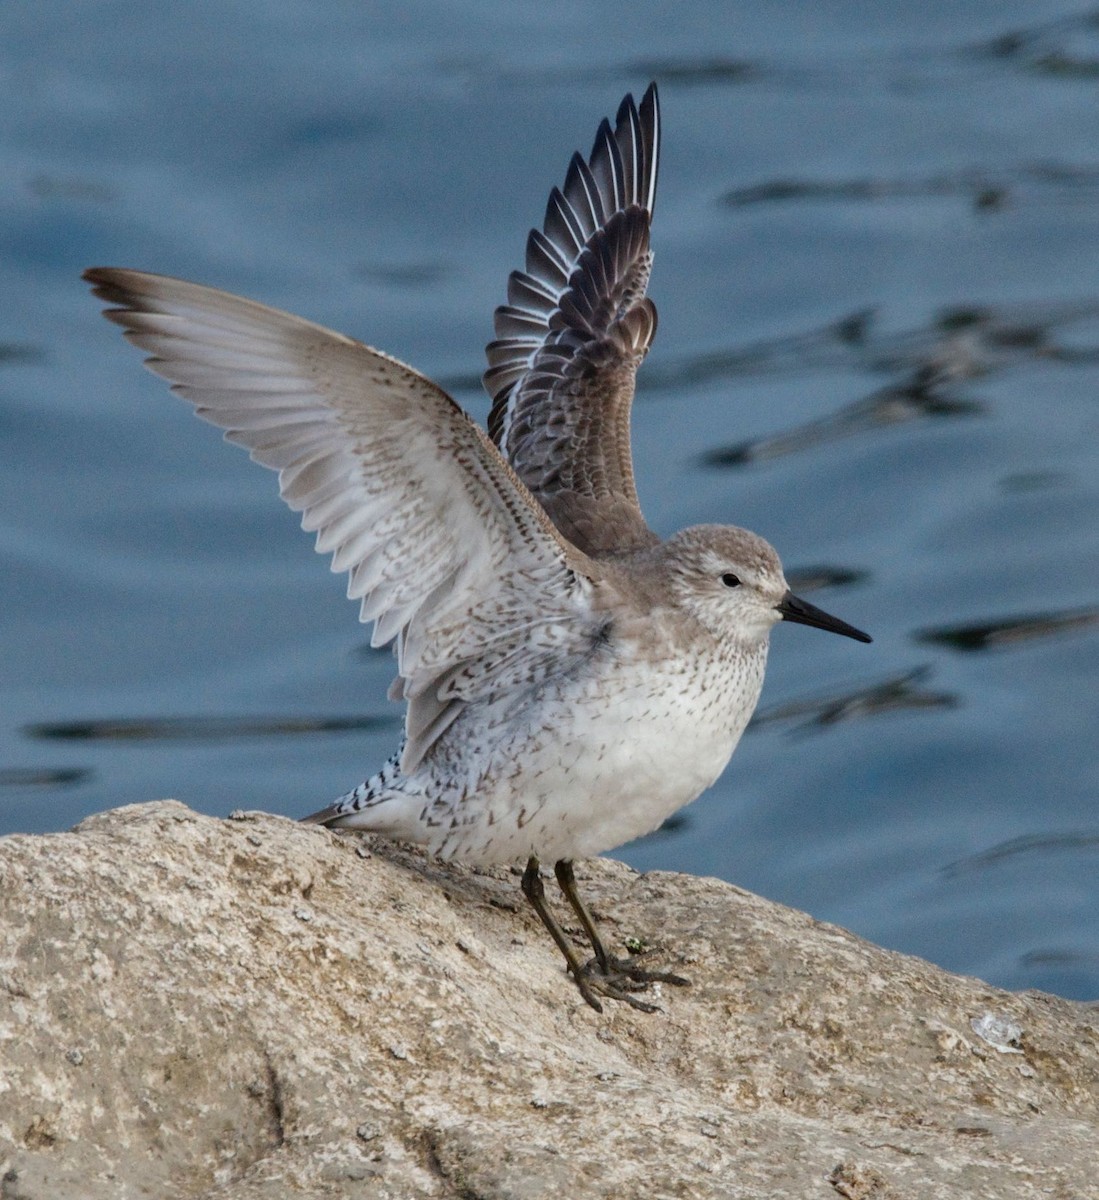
x,y
838,344
30,777
406,274
962,341
1059,958
15,352
924,397
984,191
143,729
811,579
1034,481
686,71
1026,845
1065,46
992,635
904,691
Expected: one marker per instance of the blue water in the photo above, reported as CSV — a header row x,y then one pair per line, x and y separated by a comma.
x,y
877,272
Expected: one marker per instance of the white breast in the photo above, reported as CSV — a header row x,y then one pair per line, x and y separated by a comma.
x,y
608,759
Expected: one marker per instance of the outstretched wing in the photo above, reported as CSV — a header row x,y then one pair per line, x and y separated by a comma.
x,y
573,333
446,549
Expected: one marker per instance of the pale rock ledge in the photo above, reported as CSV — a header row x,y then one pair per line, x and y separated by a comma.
x,y
257,1009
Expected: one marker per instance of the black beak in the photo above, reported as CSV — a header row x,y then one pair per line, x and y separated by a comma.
x,y
802,613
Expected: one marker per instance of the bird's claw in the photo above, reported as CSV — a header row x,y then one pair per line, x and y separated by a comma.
x,y
619,979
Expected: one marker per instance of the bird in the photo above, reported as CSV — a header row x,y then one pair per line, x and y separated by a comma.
x,y
570,678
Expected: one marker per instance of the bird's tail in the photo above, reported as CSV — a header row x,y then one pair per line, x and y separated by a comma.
x,y
373,805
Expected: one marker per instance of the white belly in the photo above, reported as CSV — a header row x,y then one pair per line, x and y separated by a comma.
x,y
605,761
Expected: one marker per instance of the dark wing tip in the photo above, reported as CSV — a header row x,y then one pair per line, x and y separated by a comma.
x,y
114,285
592,227
648,114
104,282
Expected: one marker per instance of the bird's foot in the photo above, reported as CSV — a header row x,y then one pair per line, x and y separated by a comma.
x,y
621,979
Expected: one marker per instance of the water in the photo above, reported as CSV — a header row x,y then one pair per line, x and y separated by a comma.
x,y
879,347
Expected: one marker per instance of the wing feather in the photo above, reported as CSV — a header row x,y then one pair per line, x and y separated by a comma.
x,y
573,333
446,549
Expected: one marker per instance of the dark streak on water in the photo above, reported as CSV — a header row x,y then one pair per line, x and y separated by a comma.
x,y
996,635
204,728
903,691
14,353
890,406
960,342
811,579
695,71
405,275
1035,843
1056,47
983,191
42,777
1060,958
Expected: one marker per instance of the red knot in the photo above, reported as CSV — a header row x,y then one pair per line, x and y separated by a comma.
x,y
571,680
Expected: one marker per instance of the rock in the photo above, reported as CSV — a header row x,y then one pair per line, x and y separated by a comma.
x,y
252,1009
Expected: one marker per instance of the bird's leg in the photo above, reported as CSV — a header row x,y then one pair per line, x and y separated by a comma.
x,y
614,971
566,881
536,894
616,978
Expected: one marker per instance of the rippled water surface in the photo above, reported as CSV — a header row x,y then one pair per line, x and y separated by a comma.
x,y
877,270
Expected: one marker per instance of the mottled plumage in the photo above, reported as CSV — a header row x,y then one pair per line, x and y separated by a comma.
x,y
573,333
570,679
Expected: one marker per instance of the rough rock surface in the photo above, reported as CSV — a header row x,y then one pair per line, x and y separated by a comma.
x,y
256,1009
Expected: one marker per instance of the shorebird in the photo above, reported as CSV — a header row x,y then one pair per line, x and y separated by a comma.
x,y
571,680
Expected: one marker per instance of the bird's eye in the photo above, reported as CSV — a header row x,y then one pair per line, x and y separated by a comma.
x,y
730,580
